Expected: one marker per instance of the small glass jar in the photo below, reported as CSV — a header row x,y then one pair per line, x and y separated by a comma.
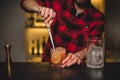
x,y
57,56
95,53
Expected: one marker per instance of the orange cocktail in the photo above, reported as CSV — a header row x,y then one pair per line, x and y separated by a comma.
x,y
58,56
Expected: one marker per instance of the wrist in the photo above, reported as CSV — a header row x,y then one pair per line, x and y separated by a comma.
x,y
40,9
30,6
81,54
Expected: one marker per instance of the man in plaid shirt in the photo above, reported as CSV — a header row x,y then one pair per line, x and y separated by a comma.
x,y
71,23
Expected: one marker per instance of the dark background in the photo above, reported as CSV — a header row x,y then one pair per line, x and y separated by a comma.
x,y
12,30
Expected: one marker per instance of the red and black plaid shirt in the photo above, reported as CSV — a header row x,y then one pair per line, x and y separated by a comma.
x,y
72,31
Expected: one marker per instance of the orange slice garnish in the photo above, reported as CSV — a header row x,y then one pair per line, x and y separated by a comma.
x,y
55,58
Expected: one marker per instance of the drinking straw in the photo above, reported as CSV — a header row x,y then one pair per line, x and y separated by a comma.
x,y
51,39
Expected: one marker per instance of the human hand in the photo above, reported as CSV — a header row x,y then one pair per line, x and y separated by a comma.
x,y
70,60
47,14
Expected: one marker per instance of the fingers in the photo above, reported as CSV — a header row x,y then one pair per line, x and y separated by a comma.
x,y
49,23
49,20
70,60
79,61
67,58
48,15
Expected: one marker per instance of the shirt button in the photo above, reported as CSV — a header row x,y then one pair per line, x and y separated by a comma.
x,y
86,26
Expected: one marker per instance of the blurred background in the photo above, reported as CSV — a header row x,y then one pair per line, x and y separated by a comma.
x,y
28,35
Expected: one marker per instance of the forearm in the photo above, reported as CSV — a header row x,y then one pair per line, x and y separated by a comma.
x,y
31,5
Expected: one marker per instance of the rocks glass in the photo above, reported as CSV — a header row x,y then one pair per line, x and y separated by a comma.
x,y
57,56
95,53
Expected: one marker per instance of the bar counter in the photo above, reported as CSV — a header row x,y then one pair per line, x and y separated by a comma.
x,y
43,71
